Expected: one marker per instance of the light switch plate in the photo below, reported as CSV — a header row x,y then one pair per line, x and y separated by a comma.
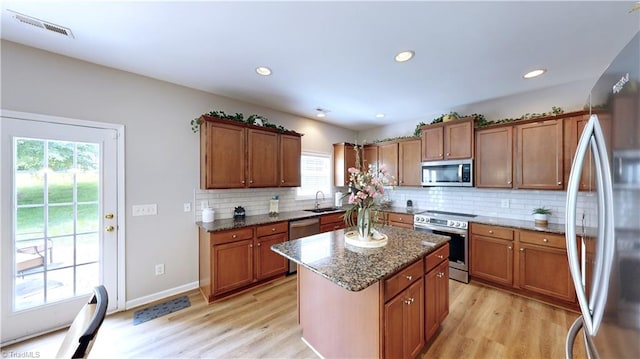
x,y
187,207
144,210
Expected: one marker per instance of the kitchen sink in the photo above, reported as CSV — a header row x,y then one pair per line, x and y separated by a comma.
x,y
325,209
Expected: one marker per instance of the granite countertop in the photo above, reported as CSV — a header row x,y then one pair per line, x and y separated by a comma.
x,y
355,268
529,225
230,223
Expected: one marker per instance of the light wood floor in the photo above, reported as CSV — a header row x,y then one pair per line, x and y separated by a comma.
x,y
483,323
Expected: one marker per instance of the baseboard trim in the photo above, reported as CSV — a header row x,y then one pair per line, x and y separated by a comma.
x,y
160,295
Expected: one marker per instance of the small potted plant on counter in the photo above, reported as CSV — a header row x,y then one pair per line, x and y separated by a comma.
x,y
541,215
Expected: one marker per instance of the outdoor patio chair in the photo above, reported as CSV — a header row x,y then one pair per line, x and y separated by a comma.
x,y
31,255
82,332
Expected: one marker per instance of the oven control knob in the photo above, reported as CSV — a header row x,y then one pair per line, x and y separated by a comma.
x,y
464,225
419,219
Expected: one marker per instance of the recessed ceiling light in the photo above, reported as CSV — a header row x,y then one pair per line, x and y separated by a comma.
x,y
264,71
534,73
379,115
404,56
320,114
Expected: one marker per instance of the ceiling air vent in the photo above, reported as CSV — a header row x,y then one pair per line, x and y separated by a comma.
x,y
24,19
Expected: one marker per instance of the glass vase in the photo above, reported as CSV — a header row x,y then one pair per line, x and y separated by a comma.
x,y
365,224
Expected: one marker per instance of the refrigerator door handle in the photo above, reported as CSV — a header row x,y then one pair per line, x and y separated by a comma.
x,y
570,220
607,241
571,337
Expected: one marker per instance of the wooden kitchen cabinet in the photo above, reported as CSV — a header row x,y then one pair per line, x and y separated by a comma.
x,y
403,220
234,260
370,156
448,140
494,157
262,161
344,157
492,249
544,267
237,155
539,270
331,222
409,169
222,155
539,155
404,315
290,150
436,290
388,157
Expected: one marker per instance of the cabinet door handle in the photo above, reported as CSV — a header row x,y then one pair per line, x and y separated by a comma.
x,y
510,248
242,182
545,240
400,219
408,277
250,181
521,249
559,183
281,181
448,153
509,182
440,154
250,245
234,236
258,244
440,256
490,232
273,229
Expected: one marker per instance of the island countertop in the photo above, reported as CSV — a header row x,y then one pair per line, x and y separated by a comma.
x,y
355,268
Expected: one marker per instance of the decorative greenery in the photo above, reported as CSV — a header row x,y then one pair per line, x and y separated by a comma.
x,y
238,117
541,210
418,131
396,138
527,116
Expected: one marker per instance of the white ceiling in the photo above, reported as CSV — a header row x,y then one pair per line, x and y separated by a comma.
x,y
339,55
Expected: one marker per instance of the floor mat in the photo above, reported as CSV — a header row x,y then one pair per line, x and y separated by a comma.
x,y
158,310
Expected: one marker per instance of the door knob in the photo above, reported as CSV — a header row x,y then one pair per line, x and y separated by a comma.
x,y
108,216
109,228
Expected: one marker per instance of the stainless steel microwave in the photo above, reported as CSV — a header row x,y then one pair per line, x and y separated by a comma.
x,y
454,173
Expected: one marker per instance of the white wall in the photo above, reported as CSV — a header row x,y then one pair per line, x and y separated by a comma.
x,y
162,158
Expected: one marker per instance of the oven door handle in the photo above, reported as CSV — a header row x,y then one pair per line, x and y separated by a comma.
x,y
461,232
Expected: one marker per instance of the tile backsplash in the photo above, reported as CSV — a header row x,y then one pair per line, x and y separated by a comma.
x,y
486,202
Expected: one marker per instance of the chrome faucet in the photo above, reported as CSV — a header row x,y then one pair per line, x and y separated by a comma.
x,y
318,203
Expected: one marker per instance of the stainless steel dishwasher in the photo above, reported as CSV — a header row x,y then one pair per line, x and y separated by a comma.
x,y
299,229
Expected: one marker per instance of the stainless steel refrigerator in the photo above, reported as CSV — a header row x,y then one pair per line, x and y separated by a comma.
x,y
605,264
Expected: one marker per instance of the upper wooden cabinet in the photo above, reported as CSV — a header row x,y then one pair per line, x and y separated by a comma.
x,y
370,153
236,155
344,157
409,162
262,161
290,150
539,155
448,140
388,157
222,155
494,157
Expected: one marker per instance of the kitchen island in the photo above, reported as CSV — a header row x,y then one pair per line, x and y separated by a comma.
x,y
370,302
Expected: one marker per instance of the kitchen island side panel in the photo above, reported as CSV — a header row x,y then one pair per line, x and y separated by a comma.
x,y
338,323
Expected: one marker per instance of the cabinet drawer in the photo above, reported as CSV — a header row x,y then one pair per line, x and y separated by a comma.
x,y
492,231
269,229
330,227
231,235
401,280
331,218
401,218
435,258
543,239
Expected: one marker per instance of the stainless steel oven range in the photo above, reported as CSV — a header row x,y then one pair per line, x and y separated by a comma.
x,y
456,226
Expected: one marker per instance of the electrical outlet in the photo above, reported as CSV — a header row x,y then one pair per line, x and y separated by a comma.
x,y
187,207
505,203
144,210
159,269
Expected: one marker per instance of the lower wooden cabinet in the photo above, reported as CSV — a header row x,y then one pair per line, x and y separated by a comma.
x,y
539,270
544,268
436,303
404,312
404,323
402,220
436,290
331,222
233,260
